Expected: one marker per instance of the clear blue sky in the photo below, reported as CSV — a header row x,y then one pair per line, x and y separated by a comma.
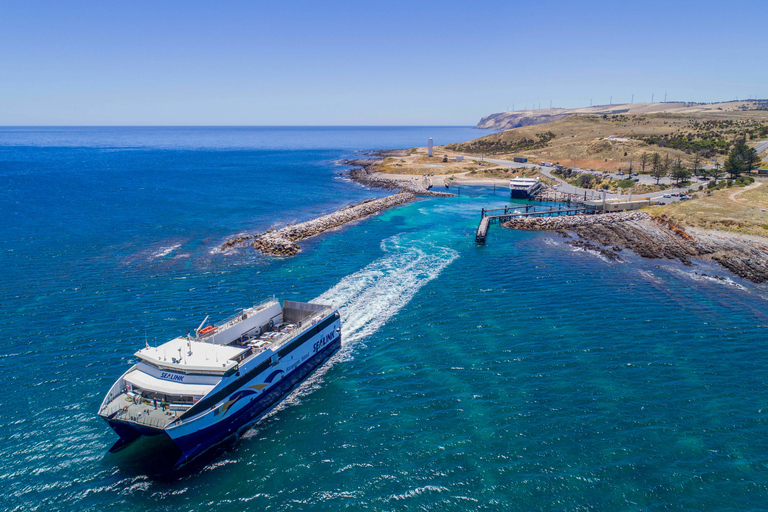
x,y
395,62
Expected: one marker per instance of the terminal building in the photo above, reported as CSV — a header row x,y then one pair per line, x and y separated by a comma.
x,y
616,205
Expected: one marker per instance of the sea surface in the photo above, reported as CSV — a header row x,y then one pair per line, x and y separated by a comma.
x,y
521,375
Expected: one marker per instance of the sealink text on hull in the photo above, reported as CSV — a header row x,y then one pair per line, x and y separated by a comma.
x,y
199,390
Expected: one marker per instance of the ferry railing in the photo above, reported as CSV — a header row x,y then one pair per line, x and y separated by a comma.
x,y
137,414
305,324
237,317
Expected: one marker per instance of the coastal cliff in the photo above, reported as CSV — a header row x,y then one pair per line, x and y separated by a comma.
x,y
519,118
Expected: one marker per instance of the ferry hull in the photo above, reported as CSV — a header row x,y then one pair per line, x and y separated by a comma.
x,y
195,443
520,194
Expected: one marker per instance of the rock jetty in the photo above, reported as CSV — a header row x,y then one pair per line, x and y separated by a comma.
x,y
282,242
366,176
657,237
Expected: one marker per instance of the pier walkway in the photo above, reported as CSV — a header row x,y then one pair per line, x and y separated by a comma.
x,y
488,217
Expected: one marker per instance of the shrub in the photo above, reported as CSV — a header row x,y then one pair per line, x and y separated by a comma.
x,y
743,181
626,183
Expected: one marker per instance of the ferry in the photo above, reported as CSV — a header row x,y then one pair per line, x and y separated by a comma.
x,y
524,188
201,389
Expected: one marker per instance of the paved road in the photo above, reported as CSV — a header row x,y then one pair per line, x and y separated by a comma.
x,y
567,188
762,147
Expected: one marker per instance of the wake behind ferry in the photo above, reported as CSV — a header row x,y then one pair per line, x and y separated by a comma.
x,y
199,390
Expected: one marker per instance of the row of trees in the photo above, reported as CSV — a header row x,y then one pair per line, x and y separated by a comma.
x,y
741,159
660,168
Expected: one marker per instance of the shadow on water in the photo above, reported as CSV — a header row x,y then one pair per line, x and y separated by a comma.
x,y
155,457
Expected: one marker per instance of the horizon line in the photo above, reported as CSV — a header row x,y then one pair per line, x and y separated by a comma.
x,y
237,126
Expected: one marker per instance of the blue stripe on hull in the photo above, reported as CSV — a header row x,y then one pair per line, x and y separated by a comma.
x,y
194,444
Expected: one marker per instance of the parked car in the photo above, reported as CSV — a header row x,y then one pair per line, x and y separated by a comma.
x,y
667,195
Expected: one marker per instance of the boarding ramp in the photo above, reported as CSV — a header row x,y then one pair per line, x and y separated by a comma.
x,y
298,312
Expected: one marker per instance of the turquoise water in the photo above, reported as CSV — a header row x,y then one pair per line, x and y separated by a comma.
x,y
521,375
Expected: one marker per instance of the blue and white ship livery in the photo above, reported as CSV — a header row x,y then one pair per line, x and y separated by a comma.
x,y
199,390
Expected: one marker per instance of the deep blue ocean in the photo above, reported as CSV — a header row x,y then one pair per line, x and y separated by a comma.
x,y
521,375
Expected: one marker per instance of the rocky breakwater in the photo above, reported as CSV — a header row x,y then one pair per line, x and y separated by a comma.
x,y
282,242
367,176
657,237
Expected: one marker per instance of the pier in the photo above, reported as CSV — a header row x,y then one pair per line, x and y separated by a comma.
x,y
499,215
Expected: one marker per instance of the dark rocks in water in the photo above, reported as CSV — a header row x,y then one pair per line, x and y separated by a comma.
x,y
661,237
588,246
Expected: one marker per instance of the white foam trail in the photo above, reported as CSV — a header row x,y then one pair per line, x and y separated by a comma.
x,y
373,295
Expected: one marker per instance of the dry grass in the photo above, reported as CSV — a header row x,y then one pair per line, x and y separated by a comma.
x,y
579,139
418,163
718,211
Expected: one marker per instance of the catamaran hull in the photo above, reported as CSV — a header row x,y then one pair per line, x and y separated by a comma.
x,y
194,443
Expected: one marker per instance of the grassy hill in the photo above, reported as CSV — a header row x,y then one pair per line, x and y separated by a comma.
x,y
611,141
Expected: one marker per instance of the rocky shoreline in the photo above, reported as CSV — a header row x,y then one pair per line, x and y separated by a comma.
x,y
657,237
363,173
282,242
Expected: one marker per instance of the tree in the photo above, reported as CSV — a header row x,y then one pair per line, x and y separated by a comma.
x,y
696,162
631,162
679,172
643,162
657,168
585,180
717,172
741,159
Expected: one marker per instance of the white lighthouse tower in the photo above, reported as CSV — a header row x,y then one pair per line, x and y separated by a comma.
x,y
429,147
